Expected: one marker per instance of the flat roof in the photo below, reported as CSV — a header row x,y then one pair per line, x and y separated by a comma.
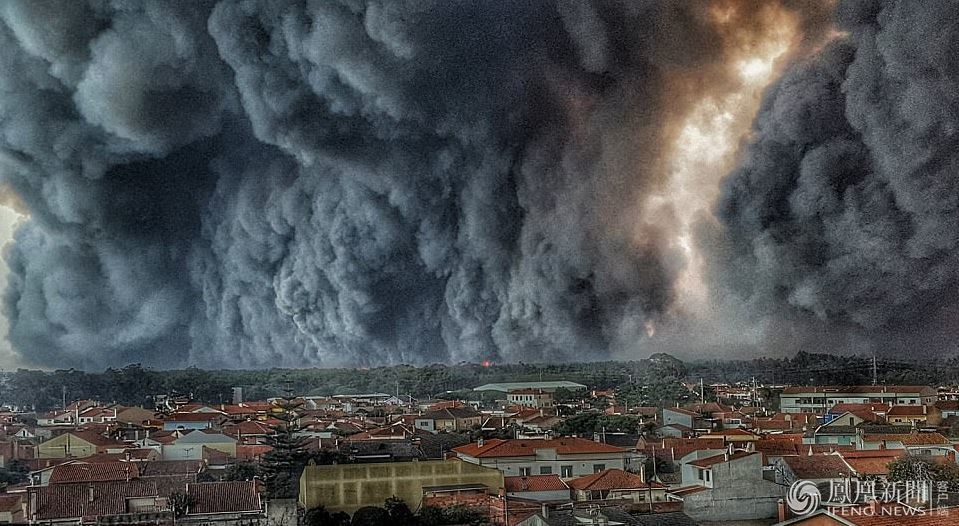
x,y
512,386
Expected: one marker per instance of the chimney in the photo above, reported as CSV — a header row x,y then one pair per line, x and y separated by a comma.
x,y
480,442
545,511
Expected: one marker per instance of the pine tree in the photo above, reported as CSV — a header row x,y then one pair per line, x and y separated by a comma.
x,y
281,467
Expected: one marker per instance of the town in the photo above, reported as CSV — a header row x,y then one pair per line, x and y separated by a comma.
x,y
523,453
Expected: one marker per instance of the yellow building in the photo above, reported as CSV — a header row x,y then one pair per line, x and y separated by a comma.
x,y
349,487
78,444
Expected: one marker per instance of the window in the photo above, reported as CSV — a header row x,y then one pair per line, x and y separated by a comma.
x,y
524,472
852,421
566,471
545,470
700,474
598,467
707,475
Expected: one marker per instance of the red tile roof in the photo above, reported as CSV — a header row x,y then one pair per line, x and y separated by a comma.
x,y
224,497
535,483
611,479
818,466
907,410
909,439
719,459
70,501
527,447
98,472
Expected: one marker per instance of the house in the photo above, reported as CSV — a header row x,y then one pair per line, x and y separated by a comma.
x,y
537,487
194,420
567,457
914,415
871,463
79,503
450,419
726,478
616,484
935,444
134,415
815,468
819,399
683,417
235,501
536,398
190,446
78,444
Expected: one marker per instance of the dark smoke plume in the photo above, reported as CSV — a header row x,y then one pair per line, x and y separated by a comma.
x,y
845,207
342,182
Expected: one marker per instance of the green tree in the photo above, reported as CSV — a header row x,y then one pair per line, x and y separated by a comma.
x,y
281,466
912,468
320,516
370,516
240,471
400,514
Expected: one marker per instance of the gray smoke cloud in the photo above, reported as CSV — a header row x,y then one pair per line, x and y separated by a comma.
x,y
844,208
269,183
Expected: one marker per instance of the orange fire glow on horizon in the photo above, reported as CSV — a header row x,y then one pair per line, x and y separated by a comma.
x,y
706,146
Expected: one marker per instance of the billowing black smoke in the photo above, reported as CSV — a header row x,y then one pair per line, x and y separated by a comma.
x,y
846,202
281,183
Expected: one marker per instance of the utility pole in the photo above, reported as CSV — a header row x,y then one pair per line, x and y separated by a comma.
x,y
875,371
702,391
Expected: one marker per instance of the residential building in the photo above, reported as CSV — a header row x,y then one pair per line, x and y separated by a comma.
x,y
913,415
536,398
191,446
537,487
616,484
348,487
567,457
450,419
78,444
819,399
729,478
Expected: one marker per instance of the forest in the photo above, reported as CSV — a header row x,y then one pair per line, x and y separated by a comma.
x,y
650,380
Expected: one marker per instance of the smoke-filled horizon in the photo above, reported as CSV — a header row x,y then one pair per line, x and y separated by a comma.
x,y
352,183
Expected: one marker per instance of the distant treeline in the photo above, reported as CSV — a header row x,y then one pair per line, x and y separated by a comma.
x,y
136,385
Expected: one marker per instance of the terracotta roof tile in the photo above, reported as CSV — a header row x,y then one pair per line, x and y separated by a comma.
x,y
97,472
535,483
224,497
610,479
527,447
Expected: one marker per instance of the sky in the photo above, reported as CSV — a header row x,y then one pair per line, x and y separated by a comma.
x,y
357,183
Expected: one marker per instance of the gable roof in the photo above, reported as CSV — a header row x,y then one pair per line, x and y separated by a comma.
x,y
528,447
818,466
610,479
709,462
534,483
68,501
98,472
224,497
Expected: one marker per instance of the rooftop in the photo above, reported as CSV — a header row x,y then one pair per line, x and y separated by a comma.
x,y
527,447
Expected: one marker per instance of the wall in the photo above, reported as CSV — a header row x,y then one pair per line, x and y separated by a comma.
x,y
348,487
739,493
